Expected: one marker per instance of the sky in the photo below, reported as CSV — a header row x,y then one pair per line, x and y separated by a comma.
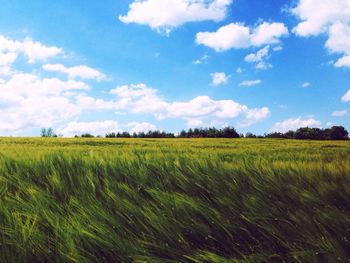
x,y
137,65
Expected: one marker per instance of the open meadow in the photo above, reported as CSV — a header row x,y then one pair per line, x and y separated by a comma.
x,y
174,200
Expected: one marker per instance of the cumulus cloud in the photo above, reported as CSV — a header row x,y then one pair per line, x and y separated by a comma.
x,y
141,127
294,124
95,128
316,16
33,50
254,116
233,35
346,97
36,51
82,71
5,71
143,99
194,123
340,113
7,58
339,42
219,78
268,33
237,35
260,58
28,101
331,17
165,15
250,83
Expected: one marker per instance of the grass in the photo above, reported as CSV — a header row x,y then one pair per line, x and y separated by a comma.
x,y
183,200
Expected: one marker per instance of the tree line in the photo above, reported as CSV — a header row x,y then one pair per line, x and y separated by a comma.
x,y
333,133
306,133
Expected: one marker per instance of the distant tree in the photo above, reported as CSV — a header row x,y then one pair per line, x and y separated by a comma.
x,y
124,135
275,135
309,134
230,132
290,134
336,133
183,134
190,133
47,132
305,133
111,135
250,135
87,135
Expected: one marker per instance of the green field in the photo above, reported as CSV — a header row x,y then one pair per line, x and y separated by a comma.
x,y
175,200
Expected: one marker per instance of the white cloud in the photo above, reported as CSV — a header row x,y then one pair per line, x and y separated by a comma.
x,y
219,78
294,124
145,100
33,50
7,58
191,123
263,65
204,106
306,84
282,106
5,71
254,116
340,113
28,101
233,35
141,127
202,60
36,51
140,99
237,35
346,97
268,33
278,48
165,15
339,42
250,83
260,58
343,62
95,128
82,71
317,15
331,17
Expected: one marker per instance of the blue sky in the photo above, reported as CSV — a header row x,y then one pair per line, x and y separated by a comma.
x,y
102,66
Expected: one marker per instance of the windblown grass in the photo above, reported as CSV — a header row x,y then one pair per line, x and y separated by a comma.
x,y
100,200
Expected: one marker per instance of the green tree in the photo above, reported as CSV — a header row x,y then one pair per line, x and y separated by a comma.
x,y
47,132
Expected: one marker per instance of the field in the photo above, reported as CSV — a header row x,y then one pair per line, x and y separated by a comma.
x,y
174,200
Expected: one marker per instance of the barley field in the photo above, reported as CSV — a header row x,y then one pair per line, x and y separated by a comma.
x,y
174,200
